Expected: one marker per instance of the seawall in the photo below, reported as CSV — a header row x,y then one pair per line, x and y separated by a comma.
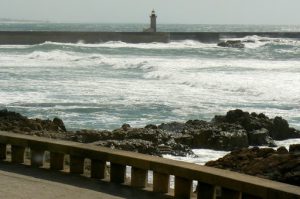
x,y
36,37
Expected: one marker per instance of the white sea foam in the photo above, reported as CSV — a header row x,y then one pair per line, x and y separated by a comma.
x,y
287,143
255,41
154,45
211,80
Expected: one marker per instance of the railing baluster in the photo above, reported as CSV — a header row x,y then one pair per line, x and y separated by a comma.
x,y
17,154
2,151
76,164
206,191
56,161
117,173
139,177
231,194
183,188
161,182
37,157
98,169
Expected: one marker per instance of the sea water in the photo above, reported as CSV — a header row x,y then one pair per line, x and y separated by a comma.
x,y
102,86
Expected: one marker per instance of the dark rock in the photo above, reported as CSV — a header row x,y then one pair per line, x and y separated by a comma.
x,y
125,127
11,121
265,162
218,139
151,126
60,124
232,44
236,130
89,136
294,148
282,150
175,127
260,138
278,128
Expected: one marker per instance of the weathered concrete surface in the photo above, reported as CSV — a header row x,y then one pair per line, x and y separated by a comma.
x,y
22,182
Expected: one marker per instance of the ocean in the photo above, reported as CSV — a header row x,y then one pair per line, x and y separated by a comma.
x,y
102,86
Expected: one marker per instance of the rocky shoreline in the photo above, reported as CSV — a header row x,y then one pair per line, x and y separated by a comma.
x,y
235,131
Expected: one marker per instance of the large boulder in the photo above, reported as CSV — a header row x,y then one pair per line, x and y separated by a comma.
x,y
222,137
202,134
260,138
265,163
278,128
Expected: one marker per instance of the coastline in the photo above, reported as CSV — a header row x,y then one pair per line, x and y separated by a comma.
x,y
171,138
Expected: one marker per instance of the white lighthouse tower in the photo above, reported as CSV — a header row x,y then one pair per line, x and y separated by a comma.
x,y
152,22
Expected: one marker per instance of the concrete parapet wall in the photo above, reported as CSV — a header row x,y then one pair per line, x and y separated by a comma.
x,y
234,185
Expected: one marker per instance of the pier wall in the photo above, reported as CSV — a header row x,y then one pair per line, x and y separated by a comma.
x,y
36,37
206,37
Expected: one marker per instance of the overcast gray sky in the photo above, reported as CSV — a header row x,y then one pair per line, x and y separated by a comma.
x,y
169,11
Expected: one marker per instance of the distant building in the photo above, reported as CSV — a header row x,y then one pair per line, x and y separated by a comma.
x,y
152,23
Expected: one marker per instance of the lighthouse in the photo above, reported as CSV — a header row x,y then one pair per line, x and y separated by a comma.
x,y
153,21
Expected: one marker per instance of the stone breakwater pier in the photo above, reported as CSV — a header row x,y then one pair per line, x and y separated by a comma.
x,y
36,37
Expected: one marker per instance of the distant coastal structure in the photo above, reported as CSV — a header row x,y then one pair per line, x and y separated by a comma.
x,y
153,17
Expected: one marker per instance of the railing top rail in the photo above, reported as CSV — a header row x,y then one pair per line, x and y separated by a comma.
x,y
228,179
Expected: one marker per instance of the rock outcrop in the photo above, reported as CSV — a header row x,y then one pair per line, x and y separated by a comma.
x,y
276,128
279,165
236,130
15,122
202,134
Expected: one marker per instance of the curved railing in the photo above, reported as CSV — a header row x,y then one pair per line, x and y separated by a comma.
x,y
232,185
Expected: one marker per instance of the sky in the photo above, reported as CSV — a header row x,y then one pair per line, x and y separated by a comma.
x,y
279,12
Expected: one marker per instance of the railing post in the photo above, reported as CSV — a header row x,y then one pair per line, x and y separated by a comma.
x,y
183,188
117,173
2,151
206,191
17,154
37,157
98,169
231,194
56,161
76,164
139,177
161,182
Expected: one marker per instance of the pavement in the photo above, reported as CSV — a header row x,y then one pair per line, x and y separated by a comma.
x,y
24,182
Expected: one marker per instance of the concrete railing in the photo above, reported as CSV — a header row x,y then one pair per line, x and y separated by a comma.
x,y
233,185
